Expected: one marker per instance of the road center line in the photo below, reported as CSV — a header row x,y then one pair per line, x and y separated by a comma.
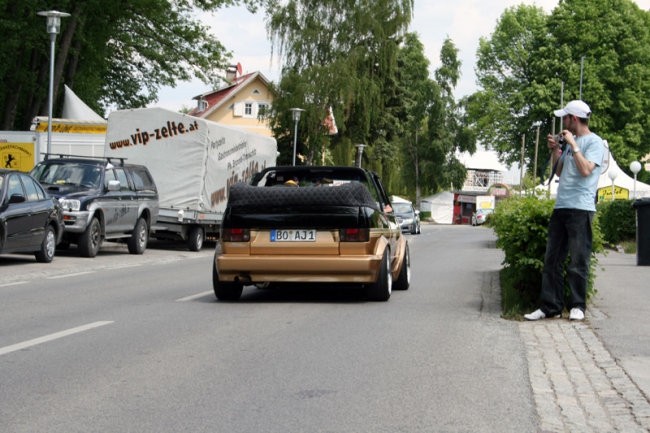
x,y
15,283
56,277
192,297
50,337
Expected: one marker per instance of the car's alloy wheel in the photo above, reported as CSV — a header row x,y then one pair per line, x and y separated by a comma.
x,y
225,290
48,246
404,278
91,239
138,241
381,289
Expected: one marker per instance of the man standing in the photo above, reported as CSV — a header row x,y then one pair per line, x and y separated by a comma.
x,y
578,153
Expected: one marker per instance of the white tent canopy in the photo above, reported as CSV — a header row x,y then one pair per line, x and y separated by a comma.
x,y
441,206
75,108
622,180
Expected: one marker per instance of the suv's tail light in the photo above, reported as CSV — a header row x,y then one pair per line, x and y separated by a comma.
x,y
354,235
236,235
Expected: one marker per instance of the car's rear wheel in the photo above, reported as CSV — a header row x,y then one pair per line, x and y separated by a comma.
x,y
404,278
225,290
137,243
46,253
195,238
381,289
91,239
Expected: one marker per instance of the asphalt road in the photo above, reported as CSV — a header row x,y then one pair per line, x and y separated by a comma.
x,y
124,343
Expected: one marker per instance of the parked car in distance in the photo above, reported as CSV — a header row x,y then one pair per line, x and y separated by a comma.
x,y
480,216
30,220
313,225
102,199
407,217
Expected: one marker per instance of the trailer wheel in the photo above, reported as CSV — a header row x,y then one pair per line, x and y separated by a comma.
x,y
195,238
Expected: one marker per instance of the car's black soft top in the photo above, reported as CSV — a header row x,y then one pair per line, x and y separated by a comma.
x,y
243,196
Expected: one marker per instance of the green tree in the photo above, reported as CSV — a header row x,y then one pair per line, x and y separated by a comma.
x,y
531,57
111,52
340,54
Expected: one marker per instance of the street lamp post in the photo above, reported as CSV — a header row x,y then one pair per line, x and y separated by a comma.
x,y
359,147
537,124
635,168
53,25
296,118
613,174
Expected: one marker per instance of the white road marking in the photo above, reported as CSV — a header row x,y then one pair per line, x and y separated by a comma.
x,y
56,335
192,297
15,283
56,277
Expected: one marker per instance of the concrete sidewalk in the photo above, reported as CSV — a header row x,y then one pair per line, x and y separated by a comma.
x,y
594,376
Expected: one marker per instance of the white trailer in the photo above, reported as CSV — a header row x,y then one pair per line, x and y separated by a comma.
x,y
193,162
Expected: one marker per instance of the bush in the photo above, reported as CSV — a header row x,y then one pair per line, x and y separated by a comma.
x,y
617,221
521,226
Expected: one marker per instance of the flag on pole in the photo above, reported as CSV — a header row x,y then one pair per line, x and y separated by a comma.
x,y
329,123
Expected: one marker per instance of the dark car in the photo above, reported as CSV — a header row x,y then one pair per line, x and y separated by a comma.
x,y
311,225
30,220
407,217
102,199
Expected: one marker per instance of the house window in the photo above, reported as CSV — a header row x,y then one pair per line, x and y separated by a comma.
x,y
262,109
248,109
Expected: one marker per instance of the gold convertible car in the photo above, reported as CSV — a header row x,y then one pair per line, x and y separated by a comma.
x,y
311,224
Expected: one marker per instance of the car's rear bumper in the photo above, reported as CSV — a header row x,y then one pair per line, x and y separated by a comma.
x,y
295,268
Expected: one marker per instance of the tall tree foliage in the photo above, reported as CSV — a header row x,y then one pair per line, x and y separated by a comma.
x,y
531,56
111,52
432,122
340,54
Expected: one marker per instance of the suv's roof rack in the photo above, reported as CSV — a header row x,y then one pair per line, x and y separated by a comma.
x,y
110,159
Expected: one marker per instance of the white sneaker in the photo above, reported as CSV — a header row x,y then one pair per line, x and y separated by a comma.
x,y
539,315
535,315
576,314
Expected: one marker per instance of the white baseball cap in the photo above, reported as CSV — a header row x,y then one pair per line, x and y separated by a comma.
x,y
575,108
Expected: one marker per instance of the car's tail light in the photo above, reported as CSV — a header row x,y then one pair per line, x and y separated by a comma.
x,y
354,235
236,235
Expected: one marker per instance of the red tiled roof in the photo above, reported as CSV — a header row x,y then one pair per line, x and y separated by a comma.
x,y
216,97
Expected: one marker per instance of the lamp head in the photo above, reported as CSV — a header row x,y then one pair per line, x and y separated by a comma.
x,y
296,113
612,174
635,167
53,23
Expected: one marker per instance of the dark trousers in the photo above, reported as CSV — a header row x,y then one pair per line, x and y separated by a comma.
x,y
569,232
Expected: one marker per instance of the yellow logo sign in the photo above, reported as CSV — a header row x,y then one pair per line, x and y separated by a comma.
x,y
620,193
17,156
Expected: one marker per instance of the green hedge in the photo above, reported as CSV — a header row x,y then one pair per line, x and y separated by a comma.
x,y
521,226
617,221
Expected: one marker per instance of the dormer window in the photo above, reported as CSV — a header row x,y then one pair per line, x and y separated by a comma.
x,y
202,104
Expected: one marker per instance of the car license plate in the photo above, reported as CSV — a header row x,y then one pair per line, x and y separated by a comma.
x,y
293,235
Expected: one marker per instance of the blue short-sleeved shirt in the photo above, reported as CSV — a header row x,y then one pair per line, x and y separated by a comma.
x,y
574,190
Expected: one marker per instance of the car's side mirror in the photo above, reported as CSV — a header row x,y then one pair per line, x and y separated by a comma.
x,y
113,185
16,198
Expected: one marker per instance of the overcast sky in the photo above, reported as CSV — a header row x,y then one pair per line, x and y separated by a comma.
x,y
464,21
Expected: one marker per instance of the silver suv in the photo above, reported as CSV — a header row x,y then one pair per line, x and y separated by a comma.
x,y
102,199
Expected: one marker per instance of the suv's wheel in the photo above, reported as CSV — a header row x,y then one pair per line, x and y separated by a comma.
x,y
404,278
381,289
91,239
46,253
195,238
137,243
225,290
